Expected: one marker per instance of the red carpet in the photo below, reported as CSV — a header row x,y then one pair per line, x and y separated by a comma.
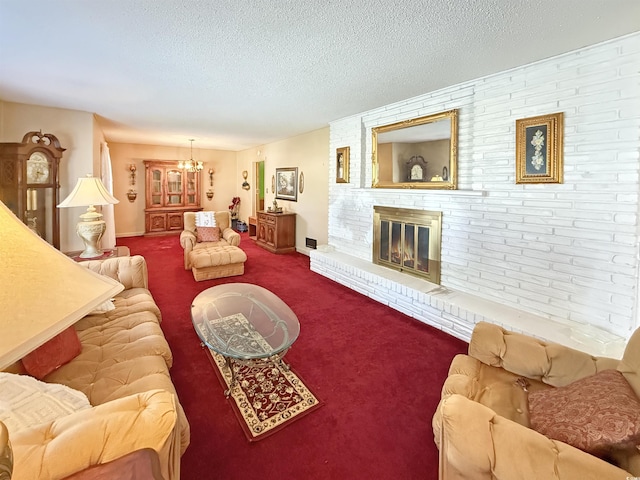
x,y
377,371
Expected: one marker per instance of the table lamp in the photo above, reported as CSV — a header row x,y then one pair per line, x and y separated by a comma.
x,y
89,191
42,291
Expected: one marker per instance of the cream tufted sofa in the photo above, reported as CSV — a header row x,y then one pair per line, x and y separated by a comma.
x,y
481,425
124,371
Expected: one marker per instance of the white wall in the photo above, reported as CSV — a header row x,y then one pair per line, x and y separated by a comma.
x,y
564,252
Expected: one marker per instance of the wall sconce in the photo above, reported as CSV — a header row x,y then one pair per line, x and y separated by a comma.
x,y
245,184
132,194
210,191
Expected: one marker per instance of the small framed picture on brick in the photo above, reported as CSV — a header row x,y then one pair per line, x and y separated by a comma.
x,y
539,149
342,165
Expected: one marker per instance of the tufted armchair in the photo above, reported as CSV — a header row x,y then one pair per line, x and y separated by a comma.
x,y
482,424
188,237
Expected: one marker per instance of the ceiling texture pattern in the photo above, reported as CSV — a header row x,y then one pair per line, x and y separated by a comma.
x,y
234,74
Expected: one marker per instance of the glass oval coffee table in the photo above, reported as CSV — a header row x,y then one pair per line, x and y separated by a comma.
x,y
244,323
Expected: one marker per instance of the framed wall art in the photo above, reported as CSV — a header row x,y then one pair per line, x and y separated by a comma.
x,y
539,149
342,165
287,184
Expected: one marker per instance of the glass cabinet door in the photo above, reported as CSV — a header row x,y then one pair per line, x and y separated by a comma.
x,y
191,188
174,187
156,187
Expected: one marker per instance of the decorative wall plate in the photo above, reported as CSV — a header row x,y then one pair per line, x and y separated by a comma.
x,y
301,182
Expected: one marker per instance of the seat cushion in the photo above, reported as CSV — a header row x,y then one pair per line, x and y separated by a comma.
x,y
204,245
127,302
216,255
596,414
104,381
493,387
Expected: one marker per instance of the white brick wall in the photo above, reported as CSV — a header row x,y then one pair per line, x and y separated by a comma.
x,y
566,252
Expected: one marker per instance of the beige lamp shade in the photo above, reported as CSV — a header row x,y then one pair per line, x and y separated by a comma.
x,y
42,291
88,191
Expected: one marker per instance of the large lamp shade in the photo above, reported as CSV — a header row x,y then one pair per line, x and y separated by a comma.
x,y
42,291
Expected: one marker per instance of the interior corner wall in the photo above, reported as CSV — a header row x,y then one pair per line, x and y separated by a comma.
x,y
309,153
563,251
75,131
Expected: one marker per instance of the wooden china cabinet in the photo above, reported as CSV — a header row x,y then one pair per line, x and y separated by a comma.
x,y
276,232
170,191
29,182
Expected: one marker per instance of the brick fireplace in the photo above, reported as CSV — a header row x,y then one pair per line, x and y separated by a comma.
x,y
557,261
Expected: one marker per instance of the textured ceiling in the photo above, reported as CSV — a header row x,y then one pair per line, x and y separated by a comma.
x,y
233,74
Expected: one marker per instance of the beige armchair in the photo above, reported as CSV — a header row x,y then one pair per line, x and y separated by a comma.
x,y
188,237
482,424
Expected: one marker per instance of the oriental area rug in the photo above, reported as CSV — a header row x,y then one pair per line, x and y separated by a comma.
x,y
266,397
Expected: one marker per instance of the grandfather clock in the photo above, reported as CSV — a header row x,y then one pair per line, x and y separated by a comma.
x,y
29,183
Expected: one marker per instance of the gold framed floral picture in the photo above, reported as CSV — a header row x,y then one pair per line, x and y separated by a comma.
x,y
342,165
539,149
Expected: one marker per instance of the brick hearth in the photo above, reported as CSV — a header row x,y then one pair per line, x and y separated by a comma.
x,y
452,311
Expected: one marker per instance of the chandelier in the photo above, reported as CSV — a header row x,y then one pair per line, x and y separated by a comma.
x,y
190,165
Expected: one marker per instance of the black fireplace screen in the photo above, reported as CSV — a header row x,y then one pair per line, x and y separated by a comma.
x,y
407,247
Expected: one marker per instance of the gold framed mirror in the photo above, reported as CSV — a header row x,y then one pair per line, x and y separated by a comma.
x,y
417,153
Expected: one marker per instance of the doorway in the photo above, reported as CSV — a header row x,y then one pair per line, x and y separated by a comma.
x,y
258,202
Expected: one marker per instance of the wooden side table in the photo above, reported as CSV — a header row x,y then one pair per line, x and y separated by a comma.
x,y
277,232
106,253
253,226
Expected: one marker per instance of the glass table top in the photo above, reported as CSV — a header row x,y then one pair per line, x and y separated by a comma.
x,y
244,321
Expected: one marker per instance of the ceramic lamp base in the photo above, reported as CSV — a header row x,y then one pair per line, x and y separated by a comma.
x,y
90,230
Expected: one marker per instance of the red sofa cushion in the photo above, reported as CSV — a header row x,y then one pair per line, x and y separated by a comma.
x,y
61,349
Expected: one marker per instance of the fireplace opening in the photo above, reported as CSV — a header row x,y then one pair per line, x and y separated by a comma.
x,y
408,240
